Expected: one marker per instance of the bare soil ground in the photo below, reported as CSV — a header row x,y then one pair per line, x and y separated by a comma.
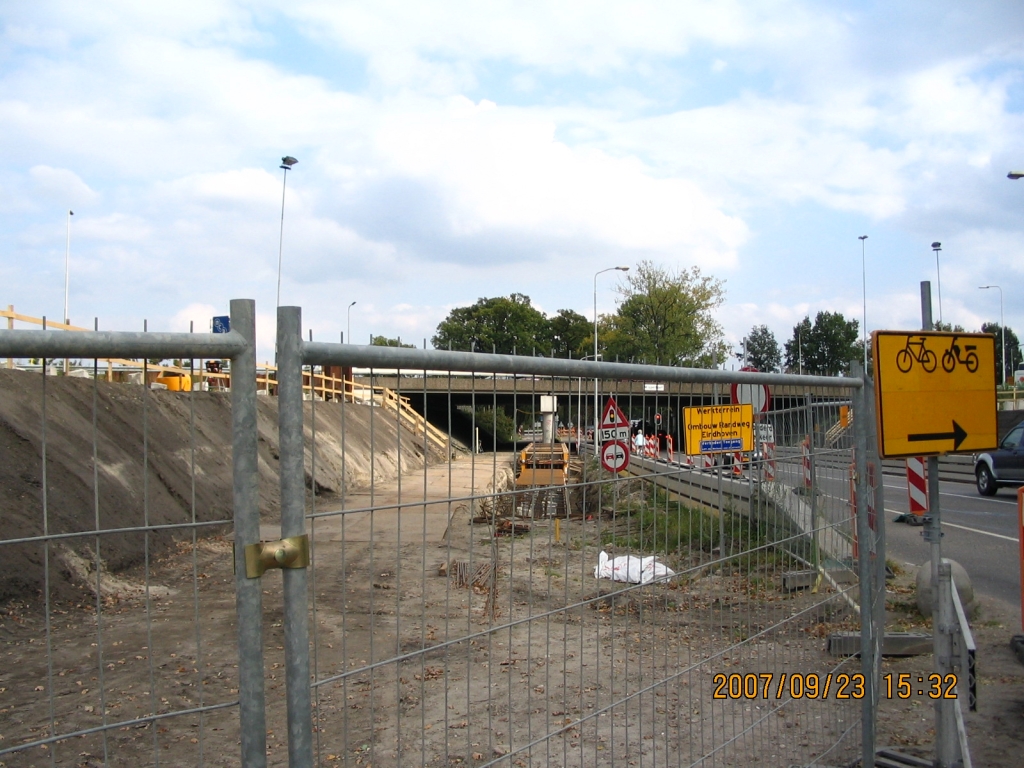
x,y
120,456
530,659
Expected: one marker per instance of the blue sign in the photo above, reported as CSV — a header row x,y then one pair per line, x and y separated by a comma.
x,y
713,446
222,324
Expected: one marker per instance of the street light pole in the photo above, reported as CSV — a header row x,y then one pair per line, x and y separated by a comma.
x,y
67,279
1002,330
596,404
938,277
348,323
864,283
286,163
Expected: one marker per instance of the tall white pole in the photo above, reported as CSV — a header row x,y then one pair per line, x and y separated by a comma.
x,y
286,162
864,283
67,260
67,278
348,323
938,276
280,242
597,415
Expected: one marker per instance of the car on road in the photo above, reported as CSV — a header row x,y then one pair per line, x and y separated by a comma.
x,y
1003,466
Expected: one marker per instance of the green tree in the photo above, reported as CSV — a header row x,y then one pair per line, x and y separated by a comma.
x,y
502,324
571,334
384,341
825,348
796,348
1012,344
666,317
762,350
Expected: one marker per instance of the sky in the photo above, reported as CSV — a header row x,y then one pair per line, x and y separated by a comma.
x,y
455,150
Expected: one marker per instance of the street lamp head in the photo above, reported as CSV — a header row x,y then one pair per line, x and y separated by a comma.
x,y
287,162
863,237
623,269
352,304
1015,175
936,246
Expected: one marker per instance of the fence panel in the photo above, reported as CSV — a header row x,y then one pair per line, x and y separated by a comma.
x,y
457,617
120,642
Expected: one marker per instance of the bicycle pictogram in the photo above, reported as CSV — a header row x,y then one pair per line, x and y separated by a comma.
x,y
916,350
952,356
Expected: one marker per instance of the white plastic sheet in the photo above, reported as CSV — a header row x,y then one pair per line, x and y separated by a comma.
x,y
631,568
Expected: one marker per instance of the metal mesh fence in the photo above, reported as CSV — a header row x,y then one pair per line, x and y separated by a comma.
x,y
480,589
117,558
457,617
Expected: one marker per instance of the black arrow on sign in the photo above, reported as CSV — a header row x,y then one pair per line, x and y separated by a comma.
x,y
957,436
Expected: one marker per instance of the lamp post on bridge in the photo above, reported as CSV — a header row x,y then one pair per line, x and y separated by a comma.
x,y
1002,330
286,163
597,405
348,323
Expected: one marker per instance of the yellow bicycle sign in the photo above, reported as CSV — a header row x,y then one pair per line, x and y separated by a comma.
x,y
935,392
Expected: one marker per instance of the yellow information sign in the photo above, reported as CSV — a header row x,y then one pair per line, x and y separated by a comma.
x,y
935,392
719,428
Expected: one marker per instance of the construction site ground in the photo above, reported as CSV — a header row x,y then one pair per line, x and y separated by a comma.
x,y
149,652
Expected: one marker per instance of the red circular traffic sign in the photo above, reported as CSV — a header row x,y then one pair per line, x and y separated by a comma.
x,y
614,456
757,395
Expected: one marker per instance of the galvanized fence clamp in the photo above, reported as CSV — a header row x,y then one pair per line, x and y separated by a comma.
x,y
292,552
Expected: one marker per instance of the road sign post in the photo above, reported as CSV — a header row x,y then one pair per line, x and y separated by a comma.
x,y
613,437
614,456
757,396
935,392
719,428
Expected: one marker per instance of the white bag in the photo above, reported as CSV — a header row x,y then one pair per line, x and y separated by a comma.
x,y
632,569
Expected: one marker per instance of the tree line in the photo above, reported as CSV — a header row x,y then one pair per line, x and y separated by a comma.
x,y
828,345
664,317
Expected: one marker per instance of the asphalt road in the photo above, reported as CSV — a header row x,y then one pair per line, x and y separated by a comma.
x,y
981,533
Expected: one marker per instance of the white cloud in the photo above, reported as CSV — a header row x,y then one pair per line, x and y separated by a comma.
x,y
648,130
195,317
61,185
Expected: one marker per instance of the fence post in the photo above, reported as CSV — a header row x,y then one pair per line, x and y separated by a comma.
x,y
947,745
248,592
865,574
293,523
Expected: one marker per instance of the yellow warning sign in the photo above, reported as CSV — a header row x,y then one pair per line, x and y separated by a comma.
x,y
719,428
935,392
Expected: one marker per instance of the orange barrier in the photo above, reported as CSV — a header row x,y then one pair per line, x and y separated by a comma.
x,y
1020,538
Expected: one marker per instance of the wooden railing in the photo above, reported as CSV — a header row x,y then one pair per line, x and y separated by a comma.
x,y
315,384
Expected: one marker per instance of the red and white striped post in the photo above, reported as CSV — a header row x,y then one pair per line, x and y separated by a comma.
x,y
769,461
652,450
917,485
737,464
806,446
852,472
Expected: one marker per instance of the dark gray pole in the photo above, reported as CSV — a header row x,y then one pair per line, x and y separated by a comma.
x,y
248,592
865,574
942,640
293,523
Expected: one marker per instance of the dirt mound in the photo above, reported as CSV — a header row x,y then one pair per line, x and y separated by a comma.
x,y
145,445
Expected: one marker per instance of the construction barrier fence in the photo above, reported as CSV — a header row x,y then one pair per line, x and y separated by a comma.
x,y
410,603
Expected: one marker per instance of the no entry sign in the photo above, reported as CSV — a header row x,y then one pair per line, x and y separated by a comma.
x,y
614,456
